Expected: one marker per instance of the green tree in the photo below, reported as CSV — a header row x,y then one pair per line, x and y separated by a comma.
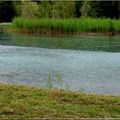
x,y
17,7
87,9
69,9
63,9
29,9
45,9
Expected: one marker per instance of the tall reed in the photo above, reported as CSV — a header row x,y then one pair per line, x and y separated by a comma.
x,y
67,25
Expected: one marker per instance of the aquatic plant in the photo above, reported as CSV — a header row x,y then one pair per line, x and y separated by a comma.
x,y
67,25
50,86
58,80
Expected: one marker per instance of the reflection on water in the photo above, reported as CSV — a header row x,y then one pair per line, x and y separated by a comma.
x,y
87,43
91,71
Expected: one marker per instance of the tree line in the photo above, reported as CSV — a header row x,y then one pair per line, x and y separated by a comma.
x,y
59,9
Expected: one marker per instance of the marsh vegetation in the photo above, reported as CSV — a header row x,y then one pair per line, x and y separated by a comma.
x,y
66,26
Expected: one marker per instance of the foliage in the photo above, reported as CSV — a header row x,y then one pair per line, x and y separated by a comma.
x,y
17,7
44,9
58,9
86,8
90,9
68,25
29,9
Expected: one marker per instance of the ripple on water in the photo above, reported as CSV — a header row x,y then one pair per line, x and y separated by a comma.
x,y
90,71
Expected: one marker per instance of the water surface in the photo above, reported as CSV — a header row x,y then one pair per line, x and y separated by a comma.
x,y
90,71
75,42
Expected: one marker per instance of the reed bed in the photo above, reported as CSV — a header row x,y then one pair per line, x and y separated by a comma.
x,y
67,25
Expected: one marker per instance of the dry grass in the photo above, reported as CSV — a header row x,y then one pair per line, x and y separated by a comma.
x,y
25,102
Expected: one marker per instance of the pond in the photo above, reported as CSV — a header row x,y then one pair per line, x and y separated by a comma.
x,y
82,63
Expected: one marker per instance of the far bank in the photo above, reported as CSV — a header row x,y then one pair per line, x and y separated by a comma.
x,y
90,26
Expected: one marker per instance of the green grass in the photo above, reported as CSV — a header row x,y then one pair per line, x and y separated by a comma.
x,y
67,25
25,102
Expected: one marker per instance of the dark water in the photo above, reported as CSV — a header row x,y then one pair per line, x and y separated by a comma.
x,y
75,42
90,71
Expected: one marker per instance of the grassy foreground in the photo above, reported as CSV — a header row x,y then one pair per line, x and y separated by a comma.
x,y
25,102
64,26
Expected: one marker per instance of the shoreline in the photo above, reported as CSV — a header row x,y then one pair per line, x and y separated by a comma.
x,y
59,33
67,26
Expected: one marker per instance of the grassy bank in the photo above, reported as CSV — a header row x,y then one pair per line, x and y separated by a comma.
x,y
25,102
63,26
